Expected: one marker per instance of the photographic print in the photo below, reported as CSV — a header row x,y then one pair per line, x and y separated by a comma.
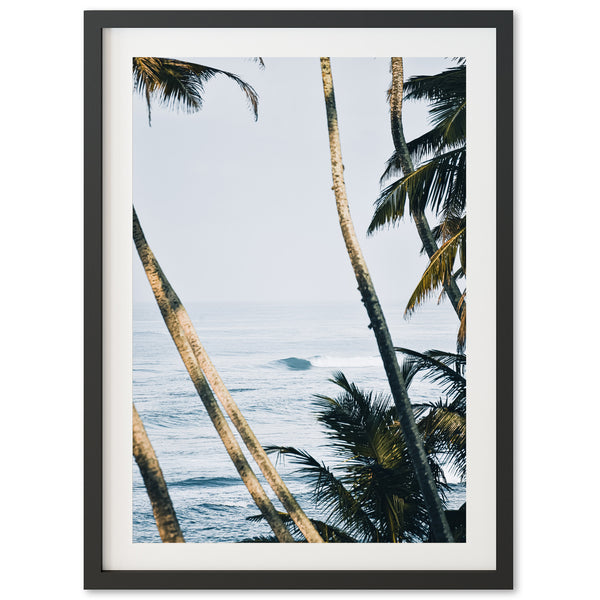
x,y
287,384
299,371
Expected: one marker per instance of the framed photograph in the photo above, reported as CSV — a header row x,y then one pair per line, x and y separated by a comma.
x,y
276,318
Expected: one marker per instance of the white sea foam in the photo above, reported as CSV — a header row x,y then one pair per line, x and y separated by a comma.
x,y
345,361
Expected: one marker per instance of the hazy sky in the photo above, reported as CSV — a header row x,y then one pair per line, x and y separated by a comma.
x,y
238,210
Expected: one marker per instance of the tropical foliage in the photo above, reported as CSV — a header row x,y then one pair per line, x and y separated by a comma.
x,y
371,494
179,84
410,432
388,480
443,421
438,184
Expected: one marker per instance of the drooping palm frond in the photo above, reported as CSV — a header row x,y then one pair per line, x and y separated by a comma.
x,y
442,368
447,113
448,228
329,533
442,423
373,495
180,84
355,419
444,426
438,184
445,136
449,84
438,271
331,495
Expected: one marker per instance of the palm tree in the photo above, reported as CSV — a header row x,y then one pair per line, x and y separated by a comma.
x,y
179,83
372,493
443,422
439,273
439,183
169,303
414,442
162,507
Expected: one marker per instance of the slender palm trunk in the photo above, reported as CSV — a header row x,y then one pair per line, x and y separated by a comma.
x,y
396,94
249,438
414,442
237,418
162,507
169,303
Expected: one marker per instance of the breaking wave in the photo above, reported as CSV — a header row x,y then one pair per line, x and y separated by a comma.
x,y
294,363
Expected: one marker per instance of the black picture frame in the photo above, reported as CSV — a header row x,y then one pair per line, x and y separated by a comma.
x,y
95,577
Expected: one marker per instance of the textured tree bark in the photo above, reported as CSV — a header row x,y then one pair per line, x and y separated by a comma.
x,y
396,95
169,304
237,418
162,507
414,442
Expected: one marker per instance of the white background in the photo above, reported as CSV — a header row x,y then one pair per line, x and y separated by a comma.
x,y
557,412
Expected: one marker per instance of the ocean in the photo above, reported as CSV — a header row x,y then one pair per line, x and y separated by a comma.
x,y
273,358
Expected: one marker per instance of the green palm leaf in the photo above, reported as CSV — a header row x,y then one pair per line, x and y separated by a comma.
x,y
373,495
180,84
447,85
444,426
438,271
328,532
442,368
449,133
439,184
331,495
442,423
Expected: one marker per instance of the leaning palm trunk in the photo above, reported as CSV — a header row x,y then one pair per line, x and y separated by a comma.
x,y
237,418
162,507
169,303
396,94
414,442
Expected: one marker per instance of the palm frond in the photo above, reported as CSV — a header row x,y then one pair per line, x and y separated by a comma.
x,y
440,183
180,84
449,84
449,227
330,494
355,420
260,539
374,495
442,368
328,532
448,134
438,272
363,427
442,423
444,427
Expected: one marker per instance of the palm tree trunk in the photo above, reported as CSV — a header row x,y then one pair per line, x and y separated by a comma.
x,y
249,438
237,418
162,507
414,442
396,95
169,303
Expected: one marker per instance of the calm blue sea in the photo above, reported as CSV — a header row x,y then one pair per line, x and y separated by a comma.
x,y
274,359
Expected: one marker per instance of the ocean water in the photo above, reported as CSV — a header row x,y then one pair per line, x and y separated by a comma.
x,y
274,359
